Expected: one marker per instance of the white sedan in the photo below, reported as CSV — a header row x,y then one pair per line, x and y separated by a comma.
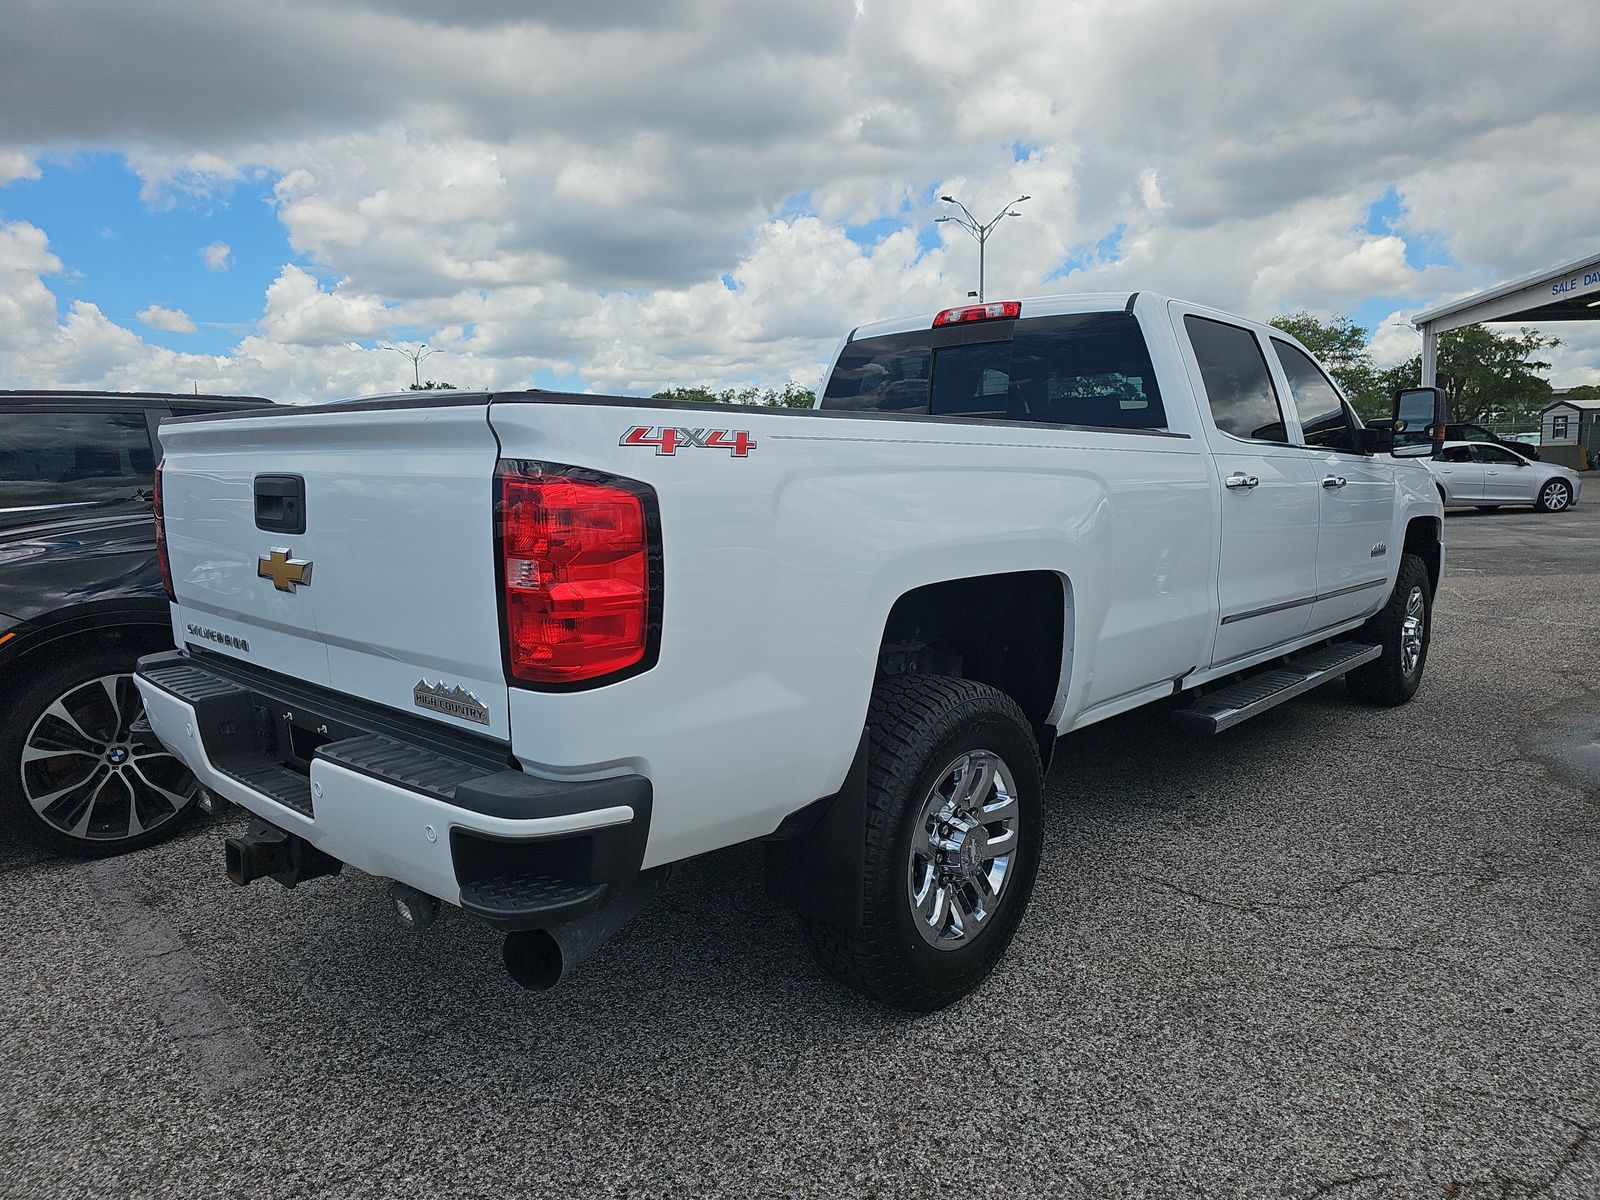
x,y
1490,475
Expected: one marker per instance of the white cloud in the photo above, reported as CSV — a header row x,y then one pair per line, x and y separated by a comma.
x,y
564,186
15,165
171,320
299,311
218,256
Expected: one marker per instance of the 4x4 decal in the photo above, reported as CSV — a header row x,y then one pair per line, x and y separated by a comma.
x,y
668,440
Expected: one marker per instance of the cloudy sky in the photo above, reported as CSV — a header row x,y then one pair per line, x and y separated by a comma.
x,y
621,196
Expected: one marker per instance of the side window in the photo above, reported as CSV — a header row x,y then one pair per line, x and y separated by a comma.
x,y
1487,453
1238,385
73,457
1558,426
1456,454
1323,421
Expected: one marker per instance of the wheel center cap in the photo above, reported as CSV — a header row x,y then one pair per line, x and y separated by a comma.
x,y
971,855
117,755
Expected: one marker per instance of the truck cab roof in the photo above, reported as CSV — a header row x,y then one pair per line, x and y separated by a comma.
x,y
176,401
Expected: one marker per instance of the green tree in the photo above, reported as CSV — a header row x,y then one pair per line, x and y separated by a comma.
x,y
1489,377
432,385
1340,345
1494,376
790,395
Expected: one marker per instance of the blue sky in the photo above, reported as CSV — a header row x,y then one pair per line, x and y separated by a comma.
x,y
122,254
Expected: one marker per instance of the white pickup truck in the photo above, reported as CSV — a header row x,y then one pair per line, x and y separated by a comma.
x,y
522,652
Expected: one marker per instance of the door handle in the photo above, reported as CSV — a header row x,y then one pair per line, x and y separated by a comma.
x,y
1240,482
1333,482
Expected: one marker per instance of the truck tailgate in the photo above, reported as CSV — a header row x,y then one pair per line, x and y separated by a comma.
x,y
389,594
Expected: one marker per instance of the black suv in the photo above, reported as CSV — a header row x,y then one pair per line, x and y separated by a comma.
x,y
80,600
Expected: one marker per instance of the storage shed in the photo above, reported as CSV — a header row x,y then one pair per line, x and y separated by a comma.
x,y
1569,431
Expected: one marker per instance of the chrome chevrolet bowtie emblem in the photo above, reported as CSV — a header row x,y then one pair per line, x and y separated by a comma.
x,y
286,573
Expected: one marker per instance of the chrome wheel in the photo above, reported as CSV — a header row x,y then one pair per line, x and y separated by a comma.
x,y
1556,495
1411,630
961,849
86,774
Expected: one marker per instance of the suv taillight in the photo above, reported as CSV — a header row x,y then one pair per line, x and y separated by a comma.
x,y
161,539
575,573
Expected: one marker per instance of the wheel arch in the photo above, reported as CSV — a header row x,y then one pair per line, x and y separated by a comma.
x,y
1013,630
88,628
1425,539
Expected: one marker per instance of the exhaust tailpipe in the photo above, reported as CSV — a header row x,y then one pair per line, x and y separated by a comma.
x,y
267,852
538,959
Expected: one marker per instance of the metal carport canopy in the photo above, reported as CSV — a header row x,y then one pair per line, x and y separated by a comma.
x,y
1569,293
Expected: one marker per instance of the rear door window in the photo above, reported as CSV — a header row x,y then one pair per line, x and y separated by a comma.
x,y
50,459
1238,385
1324,421
1085,369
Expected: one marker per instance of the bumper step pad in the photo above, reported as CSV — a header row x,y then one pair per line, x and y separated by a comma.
x,y
529,899
1226,707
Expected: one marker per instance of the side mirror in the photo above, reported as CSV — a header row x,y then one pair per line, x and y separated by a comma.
x,y
1419,418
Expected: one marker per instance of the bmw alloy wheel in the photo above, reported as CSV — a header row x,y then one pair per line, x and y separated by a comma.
x,y
88,774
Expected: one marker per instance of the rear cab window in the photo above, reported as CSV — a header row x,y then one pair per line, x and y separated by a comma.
x,y
1082,369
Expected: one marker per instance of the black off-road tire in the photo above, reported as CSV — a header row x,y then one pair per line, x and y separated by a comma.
x,y
917,726
1384,680
40,682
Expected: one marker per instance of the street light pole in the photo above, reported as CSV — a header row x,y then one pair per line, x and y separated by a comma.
x,y
416,356
978,230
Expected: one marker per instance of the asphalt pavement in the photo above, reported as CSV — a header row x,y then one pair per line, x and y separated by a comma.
x,y
1336,952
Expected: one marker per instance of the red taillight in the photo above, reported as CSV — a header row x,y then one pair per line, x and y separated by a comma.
x,y
161,540
979,312
575,560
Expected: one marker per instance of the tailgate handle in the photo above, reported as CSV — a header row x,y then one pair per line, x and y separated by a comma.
x,y
281,503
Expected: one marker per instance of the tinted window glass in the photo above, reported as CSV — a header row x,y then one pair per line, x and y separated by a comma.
x,y
1238,385
1080,369
1322,417
885,374
971,380
1455,454
1486,453
49,458
1085,369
